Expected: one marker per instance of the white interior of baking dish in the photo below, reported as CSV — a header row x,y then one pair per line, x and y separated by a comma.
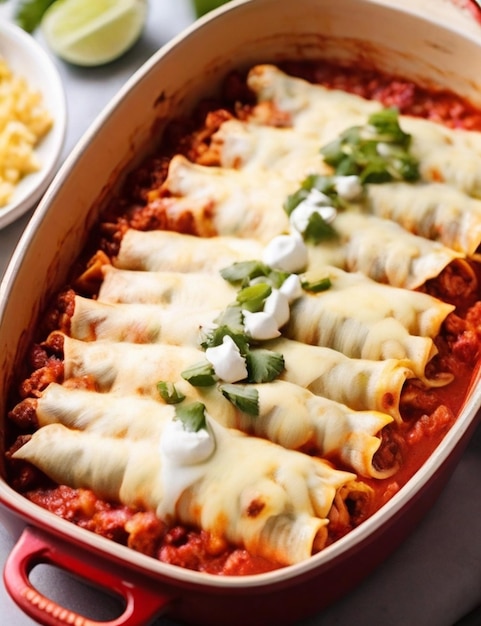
x,y
243,33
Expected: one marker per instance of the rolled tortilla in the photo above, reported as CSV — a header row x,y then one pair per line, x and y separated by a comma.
x,y
448,155
261,506
374,385
435,211
158,250
288,415
221,201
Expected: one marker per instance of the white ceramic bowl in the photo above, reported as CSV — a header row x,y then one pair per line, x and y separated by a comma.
x,y
27,59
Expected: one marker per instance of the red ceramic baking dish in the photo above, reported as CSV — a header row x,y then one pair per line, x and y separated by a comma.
x,y
400,41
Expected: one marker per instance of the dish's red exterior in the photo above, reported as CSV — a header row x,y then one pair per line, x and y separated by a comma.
x,y
472,6
241,33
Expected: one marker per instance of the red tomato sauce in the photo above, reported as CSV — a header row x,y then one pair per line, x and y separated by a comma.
x,y
427,418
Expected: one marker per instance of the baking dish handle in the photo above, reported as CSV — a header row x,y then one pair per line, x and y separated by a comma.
x,y
143,600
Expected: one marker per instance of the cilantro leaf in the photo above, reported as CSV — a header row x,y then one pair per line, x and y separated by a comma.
x,y
316,286
276,278
192,416
200,375
318,229
231,316
324,184
377,152
376,171
264,366
216,337
295,199
245,398
243,271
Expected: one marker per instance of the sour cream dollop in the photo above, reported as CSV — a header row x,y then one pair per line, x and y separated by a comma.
x,y
186,447
182,455
287,253
348,187
277,305
227,361
261,325
292,288
316,202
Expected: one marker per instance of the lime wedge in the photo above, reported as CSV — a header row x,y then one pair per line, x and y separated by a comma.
x,y
201,7
93,32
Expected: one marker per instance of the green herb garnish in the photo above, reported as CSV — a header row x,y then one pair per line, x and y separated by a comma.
x,y
324,184
245,398
264,366
200,375
316,286
169,393
232,317
192,416
216,337
243,272
384,126
318,230
377,152
252,297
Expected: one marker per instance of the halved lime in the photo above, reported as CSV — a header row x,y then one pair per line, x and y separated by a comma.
x,y
201,7
93,32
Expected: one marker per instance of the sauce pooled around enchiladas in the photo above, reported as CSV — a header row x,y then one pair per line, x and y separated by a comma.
x,y
275,323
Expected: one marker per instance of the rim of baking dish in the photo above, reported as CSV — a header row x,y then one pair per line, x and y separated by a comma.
x,y
388,512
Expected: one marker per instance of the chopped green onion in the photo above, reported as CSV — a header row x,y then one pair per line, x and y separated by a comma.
x,y
385,124
316,286
253,297
376,171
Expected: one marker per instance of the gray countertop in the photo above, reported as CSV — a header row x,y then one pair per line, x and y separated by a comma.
x,y
431,580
